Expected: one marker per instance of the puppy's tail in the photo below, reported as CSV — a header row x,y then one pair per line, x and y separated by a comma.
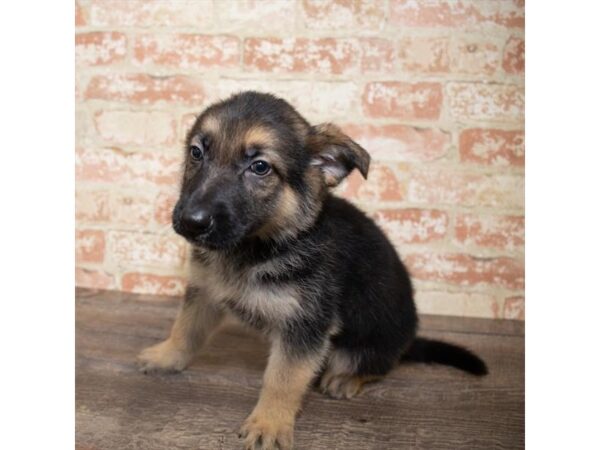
x,y
432,351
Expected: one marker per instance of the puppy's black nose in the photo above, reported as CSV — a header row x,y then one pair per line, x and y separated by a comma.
x,y
198,222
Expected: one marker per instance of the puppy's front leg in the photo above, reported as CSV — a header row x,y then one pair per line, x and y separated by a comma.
x,y
285,381
197,318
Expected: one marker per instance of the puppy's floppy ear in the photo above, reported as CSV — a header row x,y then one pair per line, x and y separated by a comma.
x,y
335,153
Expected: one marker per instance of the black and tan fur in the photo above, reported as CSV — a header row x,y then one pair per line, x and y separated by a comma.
x,y
286,257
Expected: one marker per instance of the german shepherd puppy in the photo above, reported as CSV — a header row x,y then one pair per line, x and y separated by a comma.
x,y
272,246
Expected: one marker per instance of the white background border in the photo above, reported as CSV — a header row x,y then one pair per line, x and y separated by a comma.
x,y
37,236
562,217
562,224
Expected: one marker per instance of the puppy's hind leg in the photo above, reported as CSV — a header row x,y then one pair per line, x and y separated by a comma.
x,y
197,318
343,376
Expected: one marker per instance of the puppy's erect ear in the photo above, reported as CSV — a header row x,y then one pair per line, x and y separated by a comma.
x,y
335,153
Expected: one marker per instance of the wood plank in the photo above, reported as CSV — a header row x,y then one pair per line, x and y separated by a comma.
x,y
416,406
148,303
472,325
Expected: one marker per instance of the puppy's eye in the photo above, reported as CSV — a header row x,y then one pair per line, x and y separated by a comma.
x,y
196,153
260,168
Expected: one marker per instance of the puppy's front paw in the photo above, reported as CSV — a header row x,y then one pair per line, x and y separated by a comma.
x,y
267,432
163,357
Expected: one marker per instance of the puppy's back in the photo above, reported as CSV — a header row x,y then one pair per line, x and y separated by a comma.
x,y
376,299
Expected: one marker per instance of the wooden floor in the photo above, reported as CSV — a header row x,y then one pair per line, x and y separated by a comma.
x,y
416,407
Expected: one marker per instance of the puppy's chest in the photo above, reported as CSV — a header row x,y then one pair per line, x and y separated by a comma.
x,y
245,294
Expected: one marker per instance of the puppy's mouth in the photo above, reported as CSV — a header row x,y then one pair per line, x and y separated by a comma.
x,y
210,242
214,239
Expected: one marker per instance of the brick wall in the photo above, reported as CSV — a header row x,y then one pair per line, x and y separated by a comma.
x,y
434,89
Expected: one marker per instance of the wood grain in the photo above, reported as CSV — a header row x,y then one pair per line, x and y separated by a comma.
x,y
416,407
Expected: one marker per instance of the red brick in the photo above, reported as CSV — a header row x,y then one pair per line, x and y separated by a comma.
x,y
89,246
412,225
383,185
292,55
244,15
486,102
514,56
471,55
329,99
474,55
187,51
91,205
492,147
377,55
445,186
145,283
145,249
457,13
100,165
80,20
424,54
400,142
94,279
138,128
78,94
132,208
402,100
163,208
151,13
100,48
503,232
188,120
461,304
344,14
514,308
467,270
83,125
114,166
145,89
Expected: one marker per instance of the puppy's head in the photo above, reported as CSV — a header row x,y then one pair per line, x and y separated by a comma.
x,y
255,168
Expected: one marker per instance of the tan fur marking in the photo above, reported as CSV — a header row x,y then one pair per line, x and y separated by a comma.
x,y
288,203
285,218
211,125
222,284
266,139
284,384
339,379
274,158
196,140
196,320
314,179
340,362
344,385
260,136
